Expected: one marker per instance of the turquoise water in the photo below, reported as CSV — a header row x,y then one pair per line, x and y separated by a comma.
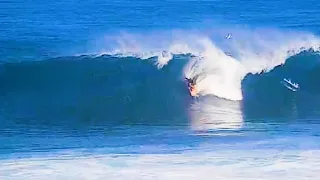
x,y
96,90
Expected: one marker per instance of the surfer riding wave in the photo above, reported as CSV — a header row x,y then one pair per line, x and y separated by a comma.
x,y
192,87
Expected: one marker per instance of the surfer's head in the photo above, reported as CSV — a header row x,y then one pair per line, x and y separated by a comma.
x,y
190,81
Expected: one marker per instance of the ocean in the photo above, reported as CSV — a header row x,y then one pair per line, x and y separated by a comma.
x,y
96,89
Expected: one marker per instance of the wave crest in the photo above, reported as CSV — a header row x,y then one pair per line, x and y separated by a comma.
x,y
220,63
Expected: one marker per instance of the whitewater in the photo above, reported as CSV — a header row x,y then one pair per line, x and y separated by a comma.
x,y
219,63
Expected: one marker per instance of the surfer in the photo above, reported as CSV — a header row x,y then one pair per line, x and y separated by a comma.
x,y
228,36
192,87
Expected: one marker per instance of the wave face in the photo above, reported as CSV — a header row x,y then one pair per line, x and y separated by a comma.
x,y
92,89
118,90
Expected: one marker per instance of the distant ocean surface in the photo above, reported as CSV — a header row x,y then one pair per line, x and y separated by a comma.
x,y
96,90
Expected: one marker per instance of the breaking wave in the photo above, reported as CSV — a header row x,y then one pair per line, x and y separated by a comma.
x,y
219,63
135,72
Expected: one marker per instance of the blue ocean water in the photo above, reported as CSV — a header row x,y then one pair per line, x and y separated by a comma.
x,y
96,90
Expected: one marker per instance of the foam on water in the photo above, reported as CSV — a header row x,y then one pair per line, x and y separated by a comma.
x,y
219,164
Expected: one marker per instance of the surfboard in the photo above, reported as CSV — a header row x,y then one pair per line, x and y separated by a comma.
x,y
228,36
290,85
